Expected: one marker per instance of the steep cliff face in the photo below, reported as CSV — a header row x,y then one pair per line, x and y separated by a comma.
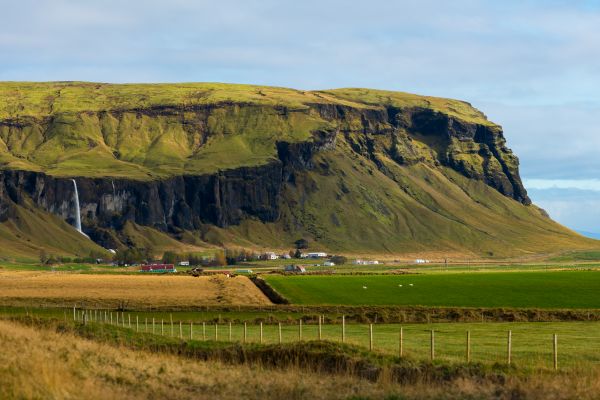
x,y
296,163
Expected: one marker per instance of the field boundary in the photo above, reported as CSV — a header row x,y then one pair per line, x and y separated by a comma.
x,y
311,313
273,295
315,356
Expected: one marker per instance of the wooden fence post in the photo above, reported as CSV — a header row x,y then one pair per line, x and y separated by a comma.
x,y
555,350
300,329
401,343
261,333
509,348
129,320
171,317
153,328
180,330
74,314
320,332
216,331
191,330
137,323
146,324
245,331
343,329
432,344
162,327
468,346
370,337
230,331
280,339
204,331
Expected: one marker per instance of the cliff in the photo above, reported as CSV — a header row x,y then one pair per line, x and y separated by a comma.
x,y
351,169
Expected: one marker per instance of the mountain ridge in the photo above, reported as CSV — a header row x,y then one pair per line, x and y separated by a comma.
x,y
349,169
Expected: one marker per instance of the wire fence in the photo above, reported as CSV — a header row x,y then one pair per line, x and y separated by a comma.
x,y
539,345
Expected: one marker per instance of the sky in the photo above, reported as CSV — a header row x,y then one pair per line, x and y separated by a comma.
x,y
531,66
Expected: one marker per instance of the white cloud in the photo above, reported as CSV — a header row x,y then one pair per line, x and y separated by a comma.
x,y
581,184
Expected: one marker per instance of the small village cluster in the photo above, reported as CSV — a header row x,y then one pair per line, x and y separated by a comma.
x,y
328,261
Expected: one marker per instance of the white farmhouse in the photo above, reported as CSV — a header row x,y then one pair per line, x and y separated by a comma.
x,y
316,255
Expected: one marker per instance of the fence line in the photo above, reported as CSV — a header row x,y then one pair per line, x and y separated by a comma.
x,y
284,332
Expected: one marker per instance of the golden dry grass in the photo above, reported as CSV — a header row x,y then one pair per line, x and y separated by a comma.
x,y
130,290
46,365
43,364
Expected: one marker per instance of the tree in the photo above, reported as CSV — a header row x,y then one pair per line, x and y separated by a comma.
x,y
44,257
292,253
169,257
298,254
301,244
220,258
232,256
339,260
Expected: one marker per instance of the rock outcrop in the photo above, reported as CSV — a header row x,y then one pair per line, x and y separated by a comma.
x,y
263,177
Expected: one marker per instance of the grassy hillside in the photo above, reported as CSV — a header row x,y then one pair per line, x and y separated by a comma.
x,y
32,231
401,173
144,131
349,205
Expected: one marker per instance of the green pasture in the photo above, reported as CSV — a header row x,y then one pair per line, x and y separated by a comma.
x,y
532,342
554,289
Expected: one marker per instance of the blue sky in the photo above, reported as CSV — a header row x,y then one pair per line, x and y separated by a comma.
x,y
531,66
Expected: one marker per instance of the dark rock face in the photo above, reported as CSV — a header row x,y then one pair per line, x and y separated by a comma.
x,y
169,205
183,202
228,197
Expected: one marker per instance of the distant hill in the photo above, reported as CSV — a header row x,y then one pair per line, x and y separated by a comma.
x,y
351,170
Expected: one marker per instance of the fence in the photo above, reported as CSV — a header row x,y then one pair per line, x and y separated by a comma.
x,y
531,344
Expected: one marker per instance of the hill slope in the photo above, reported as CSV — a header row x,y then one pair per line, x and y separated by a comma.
x,y
353,170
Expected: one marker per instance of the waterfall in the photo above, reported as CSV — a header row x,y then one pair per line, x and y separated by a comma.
x,y
77,210
114,191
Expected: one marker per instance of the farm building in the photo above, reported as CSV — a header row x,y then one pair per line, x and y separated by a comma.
x,y
270,256
299,269
421,261
314,255
183,263
366,262
158,268
329,264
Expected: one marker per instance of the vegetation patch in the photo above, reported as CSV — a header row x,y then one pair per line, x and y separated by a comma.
x,y
556,289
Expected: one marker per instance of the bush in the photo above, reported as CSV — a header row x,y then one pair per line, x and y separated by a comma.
x,y
339,260
301,244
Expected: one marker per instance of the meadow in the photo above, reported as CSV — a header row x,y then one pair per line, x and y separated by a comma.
x,y
43,364
100,360
531,342
112,290
552,289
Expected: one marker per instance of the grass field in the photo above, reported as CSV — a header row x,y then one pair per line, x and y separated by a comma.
x,y
126,290
556,289
41,364
579,342
67,361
